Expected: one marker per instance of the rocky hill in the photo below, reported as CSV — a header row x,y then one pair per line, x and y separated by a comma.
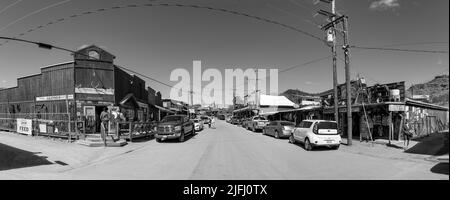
x,y
437,89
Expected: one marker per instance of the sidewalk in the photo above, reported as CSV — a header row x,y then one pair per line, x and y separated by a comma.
x,y
426,149
51,155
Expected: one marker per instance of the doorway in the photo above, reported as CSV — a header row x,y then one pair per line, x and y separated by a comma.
x,y
98,111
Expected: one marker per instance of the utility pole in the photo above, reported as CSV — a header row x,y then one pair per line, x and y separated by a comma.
x,y
347,80
331,26
331,38
257,91
192,102
333,51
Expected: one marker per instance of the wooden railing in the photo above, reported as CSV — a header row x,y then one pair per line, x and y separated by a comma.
x,y
133,130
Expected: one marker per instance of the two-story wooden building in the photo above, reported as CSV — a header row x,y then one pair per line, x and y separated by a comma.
x,y
81,89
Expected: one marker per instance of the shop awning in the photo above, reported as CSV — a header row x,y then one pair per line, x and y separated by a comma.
x,y
269,100
275,110
129,101
164,109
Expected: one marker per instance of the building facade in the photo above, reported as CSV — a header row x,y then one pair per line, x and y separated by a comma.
x,y
78,90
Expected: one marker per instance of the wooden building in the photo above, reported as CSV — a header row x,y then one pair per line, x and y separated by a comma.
x,y
81,89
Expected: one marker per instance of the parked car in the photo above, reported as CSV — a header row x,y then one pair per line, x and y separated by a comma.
x,y
174,127
244,122
256,123
279,129
221,117
228,119
314,133
235,121
206,119
198,124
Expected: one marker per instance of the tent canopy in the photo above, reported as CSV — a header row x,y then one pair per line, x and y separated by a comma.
x,y
268,100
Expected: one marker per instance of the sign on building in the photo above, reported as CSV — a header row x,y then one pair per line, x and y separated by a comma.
x,y
397,108
24,126
54,98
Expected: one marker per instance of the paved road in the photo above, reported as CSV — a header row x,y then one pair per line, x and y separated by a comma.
x,y
230,152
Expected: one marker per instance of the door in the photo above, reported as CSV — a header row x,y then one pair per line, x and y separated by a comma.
x,y
305,129
187,125
98,111
270,128
297,131
89,113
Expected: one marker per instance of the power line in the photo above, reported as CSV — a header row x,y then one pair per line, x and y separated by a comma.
x,y
9,6
228,11
33,13
412,44
404,50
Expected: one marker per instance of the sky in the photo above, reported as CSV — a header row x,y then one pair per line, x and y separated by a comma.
x,y
156,40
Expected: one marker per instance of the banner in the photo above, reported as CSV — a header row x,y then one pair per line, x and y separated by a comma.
x,y
24,126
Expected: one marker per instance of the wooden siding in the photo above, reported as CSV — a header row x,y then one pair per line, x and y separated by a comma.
x,y
90,74
57,80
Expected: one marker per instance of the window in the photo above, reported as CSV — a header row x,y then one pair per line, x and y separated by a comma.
x,y
94,55
287,124
327,125
301,124
306,124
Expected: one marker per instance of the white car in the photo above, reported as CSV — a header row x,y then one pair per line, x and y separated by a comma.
x,y
198,124
314,133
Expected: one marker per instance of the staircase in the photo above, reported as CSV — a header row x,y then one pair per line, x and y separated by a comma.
x,y
95,140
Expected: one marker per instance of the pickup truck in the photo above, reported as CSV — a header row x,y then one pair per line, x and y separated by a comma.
x,y
257,123
174,127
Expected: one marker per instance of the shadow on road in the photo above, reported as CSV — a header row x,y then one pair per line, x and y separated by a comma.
x,y
186,138
441,168
435,144
13,158
318,148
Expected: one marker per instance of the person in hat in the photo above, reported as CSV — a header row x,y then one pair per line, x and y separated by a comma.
x,y
407,134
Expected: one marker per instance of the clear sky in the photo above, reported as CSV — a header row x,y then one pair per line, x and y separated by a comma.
x,y
156,40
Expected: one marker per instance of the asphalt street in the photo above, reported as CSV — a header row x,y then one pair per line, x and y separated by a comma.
x,y
230,152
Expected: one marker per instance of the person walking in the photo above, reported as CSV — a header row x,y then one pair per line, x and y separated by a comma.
x,y
407,134
104,117
212,122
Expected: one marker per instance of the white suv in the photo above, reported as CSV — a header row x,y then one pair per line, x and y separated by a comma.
x,y
316,133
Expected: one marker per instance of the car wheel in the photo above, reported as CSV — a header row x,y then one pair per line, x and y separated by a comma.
x,y
276,135
181,138
308,146
158,140
291,139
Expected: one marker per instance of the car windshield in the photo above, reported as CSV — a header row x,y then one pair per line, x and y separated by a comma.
x,y
287,124
172,119
327,125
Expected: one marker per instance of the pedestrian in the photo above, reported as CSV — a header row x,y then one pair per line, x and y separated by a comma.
x,y
407,134
104,117
212,122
